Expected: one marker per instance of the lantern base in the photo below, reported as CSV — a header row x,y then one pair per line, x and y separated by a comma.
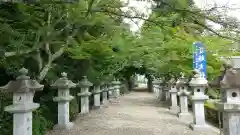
x,y
63,126
174,109
199,127
184,116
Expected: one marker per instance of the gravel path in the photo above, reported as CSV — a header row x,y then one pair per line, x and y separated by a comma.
x,y
136,113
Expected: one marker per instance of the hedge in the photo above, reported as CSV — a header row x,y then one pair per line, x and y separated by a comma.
x,y
212,114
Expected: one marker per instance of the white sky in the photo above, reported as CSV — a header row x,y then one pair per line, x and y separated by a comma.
x,y
228,7
143,7
234,6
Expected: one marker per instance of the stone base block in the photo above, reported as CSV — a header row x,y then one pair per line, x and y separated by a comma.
x,y
105,103
63,127
96,107
199,127
83,114
184,116
174,109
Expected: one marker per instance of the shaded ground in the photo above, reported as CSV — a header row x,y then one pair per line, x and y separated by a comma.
x,y
140,89
136,113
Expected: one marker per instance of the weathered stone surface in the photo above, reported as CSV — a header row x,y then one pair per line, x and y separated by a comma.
x,y
96,93
173,92
199,83
63,82
230,102
116,90
105,94
84,84
23,89
166,93
135,114
198,80
181,82
22,84
63,98
156,87
183,95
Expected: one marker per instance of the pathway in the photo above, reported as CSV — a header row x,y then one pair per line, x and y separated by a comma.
x,y
136,113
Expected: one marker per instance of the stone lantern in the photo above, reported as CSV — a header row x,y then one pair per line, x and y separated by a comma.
x,y
183,95
230,102
166,94
116,88
105,94
161,91
156,84
173,91
84,94
199,84
23,89
63,98
110,89
96,94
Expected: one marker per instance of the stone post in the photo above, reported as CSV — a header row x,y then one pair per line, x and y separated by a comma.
x,y
96,94
116,88
63,98
156,90
161,91
173,92
199,84
110,90
166,93
230,102
23,89
84,95
183,95
105,92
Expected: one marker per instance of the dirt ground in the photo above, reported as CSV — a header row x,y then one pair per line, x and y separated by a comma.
x,y
137,113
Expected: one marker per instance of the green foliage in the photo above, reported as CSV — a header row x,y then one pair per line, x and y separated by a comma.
x,y
73,112
5,118
39,123
88,38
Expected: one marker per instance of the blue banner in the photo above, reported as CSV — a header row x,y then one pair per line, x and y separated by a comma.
x,y
199,58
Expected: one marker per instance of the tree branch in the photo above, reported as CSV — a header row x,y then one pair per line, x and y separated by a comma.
x,y
216,33
10,54
38,58
161,24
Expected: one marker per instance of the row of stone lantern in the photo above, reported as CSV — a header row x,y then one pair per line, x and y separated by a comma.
x,y
23,89
229,103
180,88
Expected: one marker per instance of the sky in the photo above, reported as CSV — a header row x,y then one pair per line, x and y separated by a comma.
x,y
140,6
234,6
144,7
228,7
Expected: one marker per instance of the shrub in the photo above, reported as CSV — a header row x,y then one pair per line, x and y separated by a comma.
x,y
5,117
73,109
39,123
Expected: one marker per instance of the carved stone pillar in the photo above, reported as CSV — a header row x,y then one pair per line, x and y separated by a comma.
x,y
230,102
156,89
199,84
173,92
63,98
23,89
183,95
84,94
